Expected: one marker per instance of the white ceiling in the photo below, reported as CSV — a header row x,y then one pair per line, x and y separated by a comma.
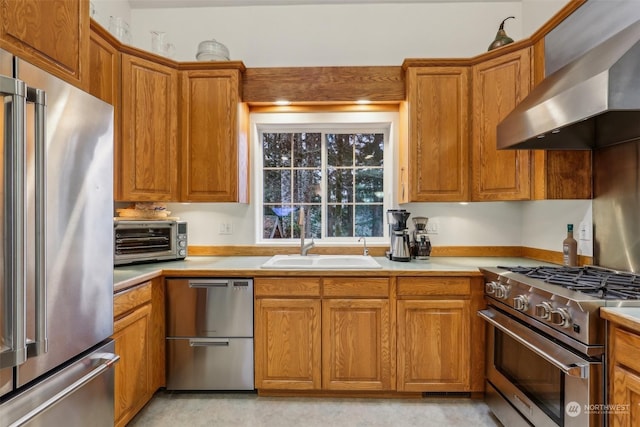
x,y
150,4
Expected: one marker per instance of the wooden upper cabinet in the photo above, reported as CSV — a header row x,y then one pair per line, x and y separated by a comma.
x,y
215,165
559,174
434,156
499,84
147,165
52,34
104,66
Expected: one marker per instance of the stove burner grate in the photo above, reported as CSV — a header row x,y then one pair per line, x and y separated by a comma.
x,y
595,281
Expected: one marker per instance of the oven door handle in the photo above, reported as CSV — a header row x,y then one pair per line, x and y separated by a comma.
x,y
569,363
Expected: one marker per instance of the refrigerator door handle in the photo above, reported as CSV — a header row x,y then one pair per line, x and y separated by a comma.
x,y
40,344
13,342
106,361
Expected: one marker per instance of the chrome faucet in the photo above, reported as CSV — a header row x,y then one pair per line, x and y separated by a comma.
x,y
365,252
304,247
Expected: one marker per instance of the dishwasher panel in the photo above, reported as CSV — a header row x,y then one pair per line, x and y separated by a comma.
x,y
210,334
210,308
210,364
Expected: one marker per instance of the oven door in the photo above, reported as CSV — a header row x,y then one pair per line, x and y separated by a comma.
x,y
542,381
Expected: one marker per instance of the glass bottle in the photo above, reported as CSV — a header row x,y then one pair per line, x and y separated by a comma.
x,y
570,248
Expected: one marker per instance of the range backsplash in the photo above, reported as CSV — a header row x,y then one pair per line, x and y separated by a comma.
x,y
616,206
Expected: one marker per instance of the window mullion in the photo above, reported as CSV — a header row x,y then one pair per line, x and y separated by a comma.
x,y
353,186
324,212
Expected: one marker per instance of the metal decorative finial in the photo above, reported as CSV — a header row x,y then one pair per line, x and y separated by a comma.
x,y
501,36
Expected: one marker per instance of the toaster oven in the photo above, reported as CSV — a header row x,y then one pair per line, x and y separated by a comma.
x,y
149,241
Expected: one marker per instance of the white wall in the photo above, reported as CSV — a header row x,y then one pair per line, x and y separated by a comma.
x,y
107,8
333,35
537,12
544,224
539,224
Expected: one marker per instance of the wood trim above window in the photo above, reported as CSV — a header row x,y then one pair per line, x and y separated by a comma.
x,y
324,84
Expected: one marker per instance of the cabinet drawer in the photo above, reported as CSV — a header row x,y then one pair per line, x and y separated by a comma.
x,y
355,287
210,364
287,287
129,299
626,345
436,286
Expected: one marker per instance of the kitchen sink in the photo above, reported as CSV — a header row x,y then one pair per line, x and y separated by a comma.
x,y
321,262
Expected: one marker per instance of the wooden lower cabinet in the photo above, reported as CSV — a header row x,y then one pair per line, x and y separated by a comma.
x,y
626,394
624,372
369,334
139,335
433,345
341,341
440,339
356,346
287,344
131,338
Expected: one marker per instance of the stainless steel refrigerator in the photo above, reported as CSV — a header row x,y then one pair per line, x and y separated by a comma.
x,y
56,251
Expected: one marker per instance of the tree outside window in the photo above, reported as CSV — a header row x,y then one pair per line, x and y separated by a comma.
x,y
337,177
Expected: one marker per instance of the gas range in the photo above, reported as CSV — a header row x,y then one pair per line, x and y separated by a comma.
x,y
563,302
546,343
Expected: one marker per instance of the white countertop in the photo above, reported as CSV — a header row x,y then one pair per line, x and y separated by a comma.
x,y
250,266
626,316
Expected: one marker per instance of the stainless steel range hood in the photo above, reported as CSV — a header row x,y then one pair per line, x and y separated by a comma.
x,y
592,102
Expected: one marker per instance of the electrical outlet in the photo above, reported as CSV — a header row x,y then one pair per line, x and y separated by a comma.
x,y
225,228
432,227
584,231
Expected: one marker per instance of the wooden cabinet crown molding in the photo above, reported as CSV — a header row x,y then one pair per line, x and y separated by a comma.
x,y
324,84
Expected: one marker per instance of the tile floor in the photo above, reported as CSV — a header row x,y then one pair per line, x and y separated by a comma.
x,y
247,409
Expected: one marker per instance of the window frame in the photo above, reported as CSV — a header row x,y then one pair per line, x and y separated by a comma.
x,y
351,122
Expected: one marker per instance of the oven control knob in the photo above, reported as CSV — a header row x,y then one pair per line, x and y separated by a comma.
x,y
490,288
560,317
182,243
502,291
543,310
521,303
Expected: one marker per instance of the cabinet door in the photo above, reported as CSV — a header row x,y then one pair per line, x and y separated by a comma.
x,y
356,349
52,34
435,157
104,67
148,162
131,338
499,84
433,345
287,344
625,392
558,174
214,143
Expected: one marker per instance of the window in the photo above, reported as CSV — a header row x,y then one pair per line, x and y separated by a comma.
x,y
334,171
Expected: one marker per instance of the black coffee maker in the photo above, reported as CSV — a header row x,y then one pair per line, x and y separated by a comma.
x,y
399,247
421,248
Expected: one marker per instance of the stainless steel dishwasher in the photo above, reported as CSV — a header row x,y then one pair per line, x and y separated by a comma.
x,y
210,334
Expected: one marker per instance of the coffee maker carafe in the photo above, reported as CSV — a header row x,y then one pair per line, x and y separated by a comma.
x,y
399,248
421,241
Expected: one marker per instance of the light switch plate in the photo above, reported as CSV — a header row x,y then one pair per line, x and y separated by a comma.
x,y
225,228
